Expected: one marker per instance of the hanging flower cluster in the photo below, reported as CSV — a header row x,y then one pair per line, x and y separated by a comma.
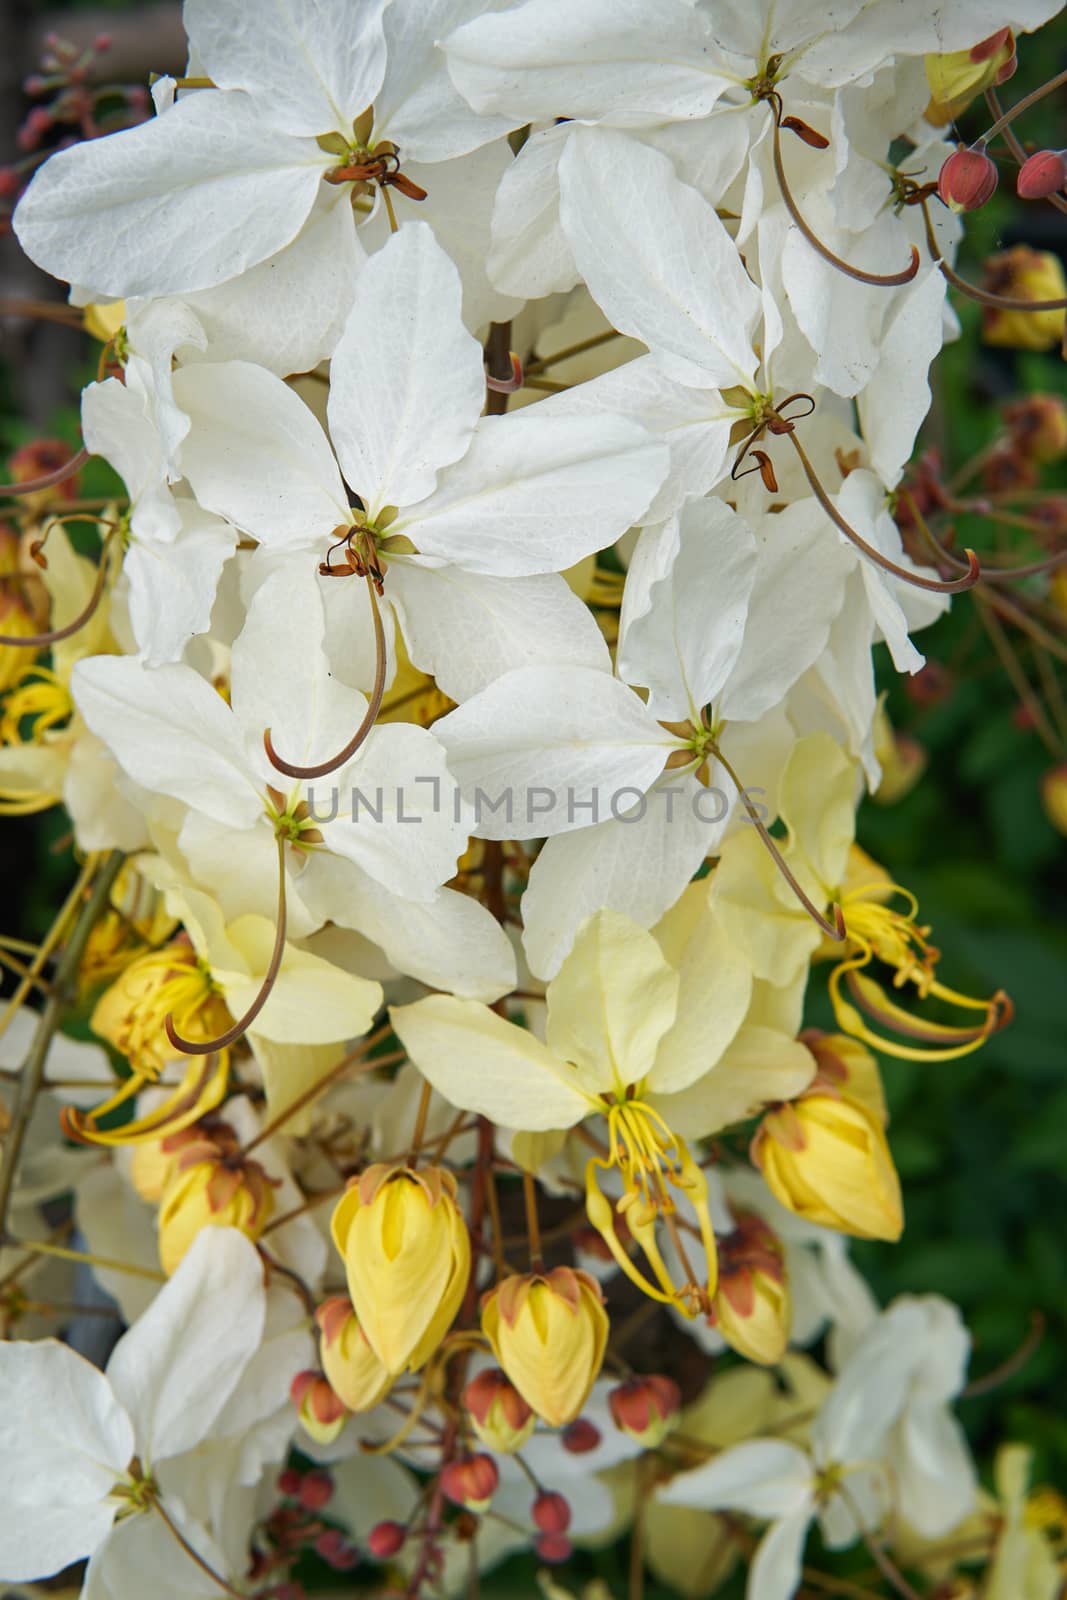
x,y
461,717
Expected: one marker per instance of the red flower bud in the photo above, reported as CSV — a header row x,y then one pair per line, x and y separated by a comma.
x,y
471,1482
385,1539
289,1481
645,1408
553,1547
315,1490
1042,174
580,1436
336,1551
551,1512
967,179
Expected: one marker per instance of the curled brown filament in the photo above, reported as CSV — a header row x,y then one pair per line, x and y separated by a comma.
x,y
989,574
47,480
322,769
190,1047
833,930
936,585
41,641
984,297
880,280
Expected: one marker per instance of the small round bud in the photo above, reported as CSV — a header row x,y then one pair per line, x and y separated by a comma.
x,y
553,1548
499,1415
967,179
471,1482
646,1408
385,1539
580,1437
1042,174
336,1551
315,1490
551,1512
321,1412
102,42
289,1481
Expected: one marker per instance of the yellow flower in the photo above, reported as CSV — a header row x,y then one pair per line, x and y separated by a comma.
x,y
548,1330
212,1188
355,1374
407,1255
171,981
826,1159
1024,274
1054,796
498,1414
752,1309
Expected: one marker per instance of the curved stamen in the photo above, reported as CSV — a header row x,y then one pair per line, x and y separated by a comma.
x,y
47,480
190,1047
833,930
984,297
879,280
41,641
323,768
937,585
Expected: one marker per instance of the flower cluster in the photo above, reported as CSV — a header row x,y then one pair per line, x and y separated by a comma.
x,y
461,713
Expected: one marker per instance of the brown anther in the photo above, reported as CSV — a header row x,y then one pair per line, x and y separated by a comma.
x,y
766,470
805,131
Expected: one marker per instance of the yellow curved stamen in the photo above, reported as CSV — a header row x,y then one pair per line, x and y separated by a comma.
x,y
202,1089
38,695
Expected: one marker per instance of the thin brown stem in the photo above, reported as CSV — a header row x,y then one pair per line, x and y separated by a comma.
x,y
1014,1363
984,297
533,1225
41,641
421,1114
209,1047
1011,139
1017,677
41,1247
1024,104
356,1058
195,1556
541,363
322,769
47,479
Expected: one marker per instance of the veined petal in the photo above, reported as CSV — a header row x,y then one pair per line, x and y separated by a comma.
x,y
182,202
611,1003
535,494
762,1477
312,1001
314,67
407,381
481,1063
657,260
419,107
716,982
758,1066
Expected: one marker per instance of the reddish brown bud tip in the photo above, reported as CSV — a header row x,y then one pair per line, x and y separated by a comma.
x,y
1042,174
471,1482
288,1481
551,1512
315,1490
335,1550
580,1437
645,1408
553,1548
385,1539
968,179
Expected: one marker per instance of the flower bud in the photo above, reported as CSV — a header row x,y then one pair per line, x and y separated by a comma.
x,y
321,1412
751,1308
646,1408
548,1330
130,1014
154,1162
825,1158
1024,274
553,1548
1054,796
1042,174
471,1482
315,1490
958,76
407,1254
212,1188
551,1512
37,458
499,1415
354,1371
967,179
580,1437
1038,427
336,1551
385,1539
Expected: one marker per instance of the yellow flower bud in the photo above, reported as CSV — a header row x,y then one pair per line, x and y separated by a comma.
x,y
752,1309
957,77
1038,427
130,1014
212,1188
321,1411
1054,796
825,1158
407,1255
1024,274
104,320
498,1414
548,1330
355,1374
154,1162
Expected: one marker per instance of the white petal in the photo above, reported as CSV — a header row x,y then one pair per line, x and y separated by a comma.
x,y
897,398
775,1573
535,494
157,330
172,586
418,107
67,1441
611,1003
312,1001
467,630
531,255
759,1066
315,66
176,1367
256,455
171,732
550,57
117,423
407,382
681,631
184,201
544,750
762,1477
657,260
481,1063
637,862
716,982
143,1544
